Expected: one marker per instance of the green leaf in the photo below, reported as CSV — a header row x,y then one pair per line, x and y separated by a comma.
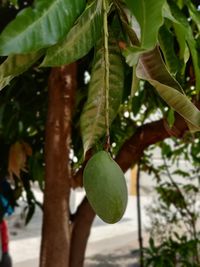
x,y
179,30
167,13
41,26
170,117
132,28
16,65
184,53
194,13
5,81
81,38
184,26
166,42
152,68
15,3
132,54
180,103
93,116
149,16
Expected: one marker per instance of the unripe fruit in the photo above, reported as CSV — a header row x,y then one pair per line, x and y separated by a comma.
x,y
105,187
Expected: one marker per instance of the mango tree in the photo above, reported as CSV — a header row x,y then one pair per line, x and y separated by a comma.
x,y
122,76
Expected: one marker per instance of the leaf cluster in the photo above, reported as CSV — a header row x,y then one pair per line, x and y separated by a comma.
x,y
151,60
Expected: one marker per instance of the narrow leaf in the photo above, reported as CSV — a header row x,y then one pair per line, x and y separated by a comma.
x,y
167,13
194,13
183,24
149,69
93,116
5,81
153,67
132,54
132,28
149,16
166,41
81,38
15,65
43,25
184,53
170,117
180,103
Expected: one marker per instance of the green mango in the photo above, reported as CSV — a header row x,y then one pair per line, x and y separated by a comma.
x,y
105,187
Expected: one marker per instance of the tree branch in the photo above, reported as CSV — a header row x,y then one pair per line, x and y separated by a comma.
x,y
80,232
144,136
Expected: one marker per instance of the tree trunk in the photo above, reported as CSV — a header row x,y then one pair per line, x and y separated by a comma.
x,y
56,232
80,232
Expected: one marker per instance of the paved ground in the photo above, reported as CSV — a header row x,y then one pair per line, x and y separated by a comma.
x,y
109,245
124,257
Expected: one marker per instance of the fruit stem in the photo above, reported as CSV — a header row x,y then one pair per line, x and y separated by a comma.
x,y
106,74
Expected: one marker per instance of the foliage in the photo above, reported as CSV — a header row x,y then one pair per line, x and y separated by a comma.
x,y
40,34
39,26
174,231
80,40
172,253
92,120
22,117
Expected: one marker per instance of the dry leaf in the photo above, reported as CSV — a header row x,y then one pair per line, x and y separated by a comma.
x,y
17,158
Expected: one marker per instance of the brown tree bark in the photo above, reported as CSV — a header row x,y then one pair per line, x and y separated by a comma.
x,y
56,232
80,233
146,135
